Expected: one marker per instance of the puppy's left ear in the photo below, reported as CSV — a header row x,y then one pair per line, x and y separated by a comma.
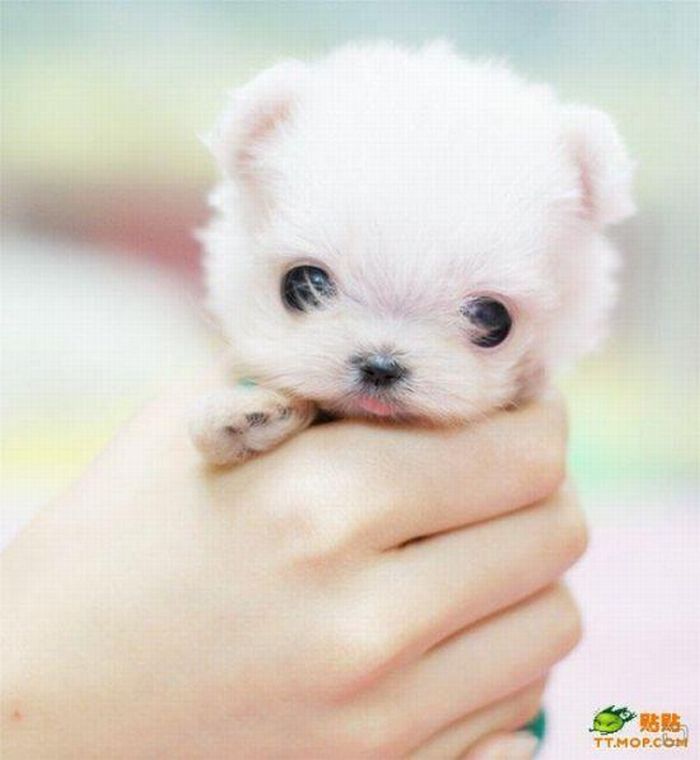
x,y
605,170
256,112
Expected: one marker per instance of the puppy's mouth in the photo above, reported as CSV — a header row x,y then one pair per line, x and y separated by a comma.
x,y
373,405
369,402
361,402
379,380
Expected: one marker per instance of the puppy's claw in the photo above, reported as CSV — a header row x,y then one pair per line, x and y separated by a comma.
x,y
232,424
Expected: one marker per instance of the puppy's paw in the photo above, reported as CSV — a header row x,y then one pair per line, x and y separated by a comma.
x,y
232,424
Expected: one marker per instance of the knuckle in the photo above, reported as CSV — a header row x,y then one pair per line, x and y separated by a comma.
x,y
369,646
315,543
307,525
570,527
577,533
343,494
543,468
550,467
557,418
546,456
569,627
366,646
528,705
377,735
293,524
382,739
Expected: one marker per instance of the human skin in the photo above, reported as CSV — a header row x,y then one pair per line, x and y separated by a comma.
x,y
283,609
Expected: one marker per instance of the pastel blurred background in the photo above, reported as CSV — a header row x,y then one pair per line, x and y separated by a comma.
x,y
104,181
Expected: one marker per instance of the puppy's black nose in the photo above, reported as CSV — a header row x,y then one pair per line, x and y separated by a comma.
x,y
380,370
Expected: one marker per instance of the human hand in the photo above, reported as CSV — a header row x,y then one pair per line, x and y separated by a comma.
x,y
284,608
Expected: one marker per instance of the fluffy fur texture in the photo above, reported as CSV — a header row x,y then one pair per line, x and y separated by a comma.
x,y
416,178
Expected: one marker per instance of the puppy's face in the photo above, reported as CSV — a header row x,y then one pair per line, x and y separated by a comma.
x,y
410,235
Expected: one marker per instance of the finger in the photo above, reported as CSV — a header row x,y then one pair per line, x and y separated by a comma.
x,y
481,665
422,481
520,745
432,588
506,715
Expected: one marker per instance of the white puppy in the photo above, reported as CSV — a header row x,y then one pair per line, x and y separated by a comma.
x,y
402,234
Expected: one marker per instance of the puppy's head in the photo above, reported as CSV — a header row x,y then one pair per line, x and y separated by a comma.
x,y
407,233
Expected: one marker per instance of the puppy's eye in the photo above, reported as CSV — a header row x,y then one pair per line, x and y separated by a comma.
x,y
489,319
306,287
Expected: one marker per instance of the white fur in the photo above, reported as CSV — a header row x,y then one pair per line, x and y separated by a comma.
x,y
416,178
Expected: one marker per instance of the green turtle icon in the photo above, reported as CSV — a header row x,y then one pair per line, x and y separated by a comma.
x,y
610,720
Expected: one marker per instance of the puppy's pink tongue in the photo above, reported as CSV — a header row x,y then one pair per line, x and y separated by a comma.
x,y
373,406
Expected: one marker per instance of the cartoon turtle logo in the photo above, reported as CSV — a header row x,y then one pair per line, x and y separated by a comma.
x,y
610,720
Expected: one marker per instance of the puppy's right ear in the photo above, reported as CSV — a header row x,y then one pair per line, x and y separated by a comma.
x,y
256,113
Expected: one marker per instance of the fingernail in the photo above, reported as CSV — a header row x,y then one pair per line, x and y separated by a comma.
x,y
518,746
523,746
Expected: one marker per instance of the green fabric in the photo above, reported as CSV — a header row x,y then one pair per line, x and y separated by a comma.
x,y
537,726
